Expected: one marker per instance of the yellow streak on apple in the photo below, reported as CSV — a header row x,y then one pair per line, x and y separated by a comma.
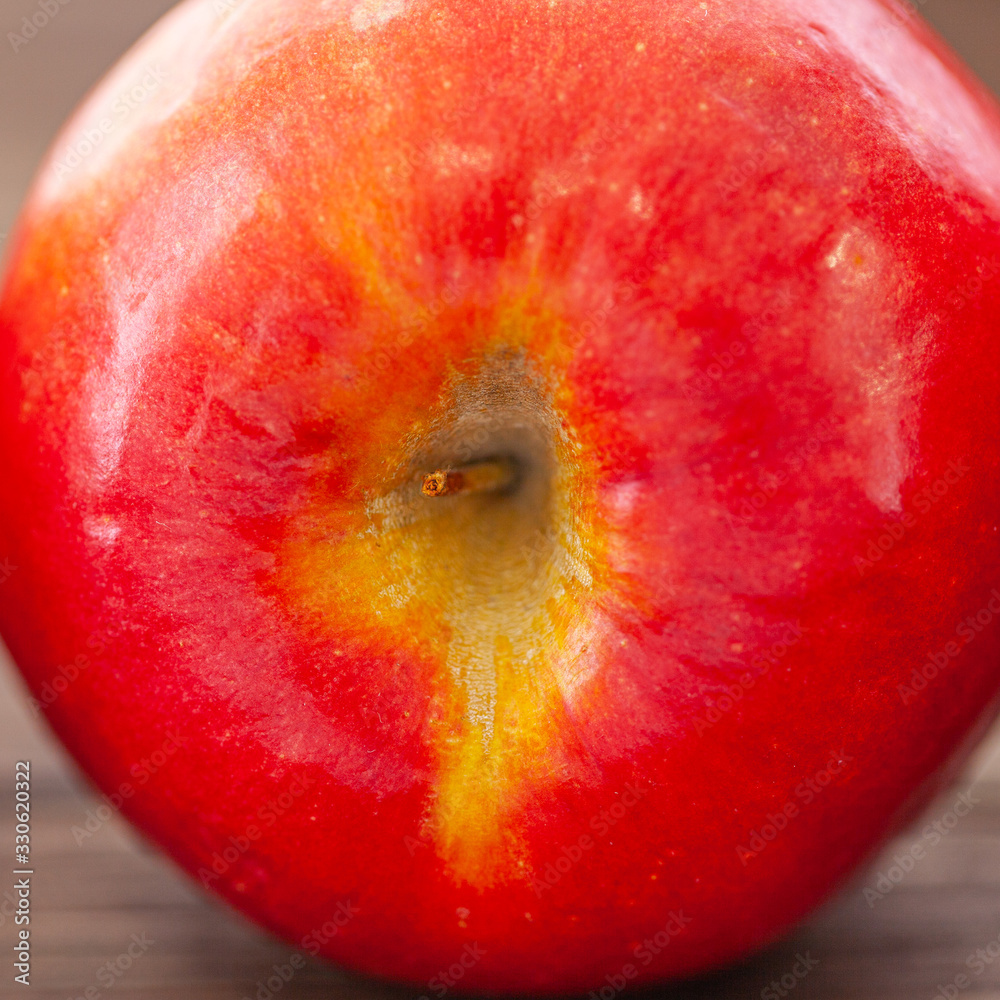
x,y
488,584
489,589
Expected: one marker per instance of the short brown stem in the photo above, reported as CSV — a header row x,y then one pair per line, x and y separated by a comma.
x,y
491,475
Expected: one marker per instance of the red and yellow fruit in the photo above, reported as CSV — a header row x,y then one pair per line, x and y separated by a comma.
x,y
701,298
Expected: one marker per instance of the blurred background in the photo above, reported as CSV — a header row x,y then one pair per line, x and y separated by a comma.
x,y
92,893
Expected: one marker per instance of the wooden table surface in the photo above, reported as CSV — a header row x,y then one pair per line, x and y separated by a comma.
x,y
89,900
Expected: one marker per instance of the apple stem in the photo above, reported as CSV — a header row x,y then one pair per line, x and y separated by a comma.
x,y
490,475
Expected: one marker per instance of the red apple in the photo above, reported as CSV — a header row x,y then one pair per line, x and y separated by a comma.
x,y
698,300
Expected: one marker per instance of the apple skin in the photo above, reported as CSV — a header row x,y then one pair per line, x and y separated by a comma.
x,y
723,278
